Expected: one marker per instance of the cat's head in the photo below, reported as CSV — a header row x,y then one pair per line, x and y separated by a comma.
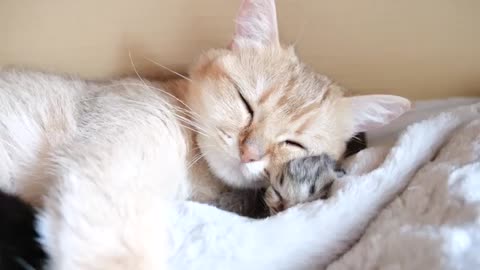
x,y
260,106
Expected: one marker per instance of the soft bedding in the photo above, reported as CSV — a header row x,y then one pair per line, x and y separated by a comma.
x,y
421,110
435,222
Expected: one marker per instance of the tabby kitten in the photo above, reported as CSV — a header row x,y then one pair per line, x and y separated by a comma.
x,y
306,179
302,180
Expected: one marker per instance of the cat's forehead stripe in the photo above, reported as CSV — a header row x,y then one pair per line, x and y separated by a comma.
x,y
301,129
267,94
213,70
310,106
260,84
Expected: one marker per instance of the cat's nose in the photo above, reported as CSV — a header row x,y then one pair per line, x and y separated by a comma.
x,y
250,152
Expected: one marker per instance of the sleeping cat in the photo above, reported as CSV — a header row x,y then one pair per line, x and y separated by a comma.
x,y
107,161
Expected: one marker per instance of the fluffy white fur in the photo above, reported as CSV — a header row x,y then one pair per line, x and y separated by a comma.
x,y
105,182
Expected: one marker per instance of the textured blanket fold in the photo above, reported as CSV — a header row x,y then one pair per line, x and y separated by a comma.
x,y
435,222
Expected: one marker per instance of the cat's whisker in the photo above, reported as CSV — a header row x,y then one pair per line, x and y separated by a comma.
x,y
168,105
195,160
24,264
165,92
197,129
189,124
167,68
170,95
270,210
138,74
186,122
300,32
190,112
228,154
203,146
140,78
135,68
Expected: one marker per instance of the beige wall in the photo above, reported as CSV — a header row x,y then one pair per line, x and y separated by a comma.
x,y
417,48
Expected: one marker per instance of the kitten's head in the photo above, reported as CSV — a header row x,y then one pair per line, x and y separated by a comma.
x,y
301,180
260,106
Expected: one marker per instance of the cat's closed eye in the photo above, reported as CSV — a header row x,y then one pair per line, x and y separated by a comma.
x,y
294,144
245,102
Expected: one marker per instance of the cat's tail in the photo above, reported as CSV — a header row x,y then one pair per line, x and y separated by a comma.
x,y
312,235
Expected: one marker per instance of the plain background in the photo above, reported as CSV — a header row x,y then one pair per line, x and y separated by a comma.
x,y
416,48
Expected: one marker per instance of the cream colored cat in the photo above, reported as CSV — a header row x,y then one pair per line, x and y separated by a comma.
x,y
106,161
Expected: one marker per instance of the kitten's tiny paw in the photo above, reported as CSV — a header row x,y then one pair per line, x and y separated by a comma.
x,y
340,172
337,185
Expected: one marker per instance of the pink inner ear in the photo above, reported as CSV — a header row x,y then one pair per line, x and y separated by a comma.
x,y
373,111
256,24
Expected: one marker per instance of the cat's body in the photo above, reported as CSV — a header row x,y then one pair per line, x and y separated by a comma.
x,y
43,114
107,162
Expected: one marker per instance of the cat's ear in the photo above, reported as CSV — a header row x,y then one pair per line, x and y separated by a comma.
x,y
372,111
255,25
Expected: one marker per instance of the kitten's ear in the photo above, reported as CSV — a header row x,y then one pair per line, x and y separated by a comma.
x,y
256,25
372,111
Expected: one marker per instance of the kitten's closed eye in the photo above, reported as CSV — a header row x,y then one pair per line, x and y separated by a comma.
x,y
277,193
281,178
340,172
325,191
312,190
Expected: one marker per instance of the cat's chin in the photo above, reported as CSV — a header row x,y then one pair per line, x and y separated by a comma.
x,y
242,177
238,175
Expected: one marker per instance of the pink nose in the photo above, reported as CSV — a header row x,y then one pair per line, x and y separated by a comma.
x,y
249,153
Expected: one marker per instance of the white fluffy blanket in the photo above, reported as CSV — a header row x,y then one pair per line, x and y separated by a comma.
x,y
435,222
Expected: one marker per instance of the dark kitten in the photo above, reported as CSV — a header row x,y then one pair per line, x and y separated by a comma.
x,y
19,248
356,144
245,202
